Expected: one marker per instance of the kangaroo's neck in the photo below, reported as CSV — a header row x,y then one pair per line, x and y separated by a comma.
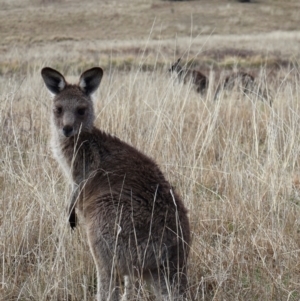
x,y
74,154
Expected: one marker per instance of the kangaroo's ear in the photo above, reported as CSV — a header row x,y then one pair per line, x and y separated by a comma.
x,y
90,80
54,81
178,61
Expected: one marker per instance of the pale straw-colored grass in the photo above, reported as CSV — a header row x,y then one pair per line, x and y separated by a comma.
x,y
235,162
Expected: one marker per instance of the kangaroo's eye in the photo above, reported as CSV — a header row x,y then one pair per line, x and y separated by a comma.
x,y
58,110
81,111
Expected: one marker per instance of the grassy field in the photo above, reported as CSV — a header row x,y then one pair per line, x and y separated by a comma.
x,y
234,161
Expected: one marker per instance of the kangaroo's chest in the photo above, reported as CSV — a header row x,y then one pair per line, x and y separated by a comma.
x,y
61,158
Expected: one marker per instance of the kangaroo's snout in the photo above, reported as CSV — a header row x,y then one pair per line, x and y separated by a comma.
x,y
68,130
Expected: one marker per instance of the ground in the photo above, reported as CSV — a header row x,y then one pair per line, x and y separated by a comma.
x,y
116,32
235,161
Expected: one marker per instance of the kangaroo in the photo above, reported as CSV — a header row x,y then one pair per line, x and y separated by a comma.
x,y
245,83
241,80
186,75
137,225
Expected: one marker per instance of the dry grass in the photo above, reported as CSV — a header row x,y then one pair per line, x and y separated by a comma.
x,y
235,161
37,21
210,33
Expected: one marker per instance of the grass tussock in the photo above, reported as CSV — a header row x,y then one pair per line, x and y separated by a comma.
x,y
234,161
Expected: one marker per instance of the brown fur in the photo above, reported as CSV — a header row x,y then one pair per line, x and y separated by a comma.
x,y
196,77
137,225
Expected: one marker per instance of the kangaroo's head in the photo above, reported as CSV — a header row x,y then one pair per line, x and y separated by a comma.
x,y
73,110
176,67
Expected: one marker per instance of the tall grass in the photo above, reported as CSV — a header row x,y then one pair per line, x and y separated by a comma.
x,y
235,163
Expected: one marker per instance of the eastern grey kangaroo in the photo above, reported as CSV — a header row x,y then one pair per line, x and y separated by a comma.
x,y
196,77
136,224
245,83
241,80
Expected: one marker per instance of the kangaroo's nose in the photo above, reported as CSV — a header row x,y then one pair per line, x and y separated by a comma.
x,y
67,130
